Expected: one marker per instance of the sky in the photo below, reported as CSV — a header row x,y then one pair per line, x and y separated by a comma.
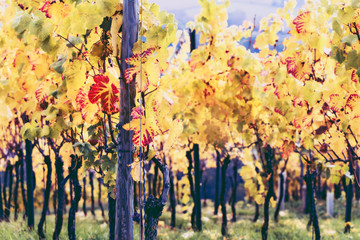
x,y
239,10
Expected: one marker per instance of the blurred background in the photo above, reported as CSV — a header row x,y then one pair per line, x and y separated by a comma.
x,y
239,10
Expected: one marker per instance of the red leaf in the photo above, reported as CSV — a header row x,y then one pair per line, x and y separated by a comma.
x,y
334,100
137,57
105,92
146,138
291,65
45,8
137,112
300,22
40,94
140,123
296,123
278,111
351,101
81,99
354,77
133,73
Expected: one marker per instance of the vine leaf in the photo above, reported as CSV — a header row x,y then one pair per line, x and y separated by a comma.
x,y
301,22
106,92
148,129
287,148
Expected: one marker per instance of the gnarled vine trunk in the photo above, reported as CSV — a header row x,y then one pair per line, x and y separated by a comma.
x,y
99,196
54,198
21,159
91,181
30,185
154,206
217,181
225,163
310,193
257,207
16,190
84,196
172,201
197,188
349,193
46,197
281,196
60,197
154,182
1,203
269,156
74,183
8,175
191,183
234,188
112,210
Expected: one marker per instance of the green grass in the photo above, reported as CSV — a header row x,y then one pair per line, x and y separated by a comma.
x,y
291,225
88,227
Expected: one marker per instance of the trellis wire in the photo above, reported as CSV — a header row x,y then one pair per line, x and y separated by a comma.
x,y
141,150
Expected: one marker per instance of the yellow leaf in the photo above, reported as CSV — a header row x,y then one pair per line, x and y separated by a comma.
x,y
136,171
115,40
45,131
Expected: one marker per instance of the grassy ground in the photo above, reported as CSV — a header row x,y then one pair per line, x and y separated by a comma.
x,y
292,225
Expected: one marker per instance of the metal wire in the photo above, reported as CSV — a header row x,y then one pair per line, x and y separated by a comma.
x,y
129,108
44,189
141,150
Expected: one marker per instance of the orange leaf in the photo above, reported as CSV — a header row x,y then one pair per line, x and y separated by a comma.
x,y
287,148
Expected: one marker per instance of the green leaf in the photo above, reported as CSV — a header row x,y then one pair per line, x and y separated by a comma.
x,y
45,131
61,122
21,23
353,60
345,125
50,113
39,27
349,39
55,131
337,54
58,65
86,150
73,41
91,130
28,131
107,163
109,178
348,177
337,27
